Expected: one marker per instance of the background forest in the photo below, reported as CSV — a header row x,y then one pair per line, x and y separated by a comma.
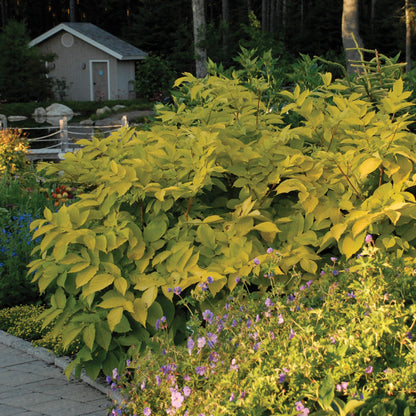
x,y
164,28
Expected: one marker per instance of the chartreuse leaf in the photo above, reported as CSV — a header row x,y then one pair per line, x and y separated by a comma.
x,y
349,245
326,392
70,333
114,317
85,275
155,230
88,335
140,311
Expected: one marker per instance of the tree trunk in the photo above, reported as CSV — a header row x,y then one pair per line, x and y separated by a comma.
x,y
72,11
264,16
408,37
198,12
350,30
226,23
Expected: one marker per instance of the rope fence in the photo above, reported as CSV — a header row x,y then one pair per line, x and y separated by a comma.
x,y
62,138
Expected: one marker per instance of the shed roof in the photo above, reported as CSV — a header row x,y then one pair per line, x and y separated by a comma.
x,y
97,37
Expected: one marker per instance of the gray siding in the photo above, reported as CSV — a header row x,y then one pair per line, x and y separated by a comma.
x,y
73,64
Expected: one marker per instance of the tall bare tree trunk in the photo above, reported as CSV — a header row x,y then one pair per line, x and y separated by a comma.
x,y
272,24
350,30
226,23
72,11
408,37
198,12
264,14
372,14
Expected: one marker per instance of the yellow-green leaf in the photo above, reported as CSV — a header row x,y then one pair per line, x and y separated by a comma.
x,y
149,296
140,311
121,285
267,227
206,236
350,245
98,282
88,336
84,276
114,317
368,166
154,230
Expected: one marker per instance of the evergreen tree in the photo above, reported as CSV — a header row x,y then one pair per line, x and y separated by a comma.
x,y
22,69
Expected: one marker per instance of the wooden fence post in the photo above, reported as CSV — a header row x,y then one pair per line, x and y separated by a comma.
x,y
63,126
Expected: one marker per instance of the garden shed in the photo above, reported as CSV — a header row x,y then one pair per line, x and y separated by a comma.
x,y
90,63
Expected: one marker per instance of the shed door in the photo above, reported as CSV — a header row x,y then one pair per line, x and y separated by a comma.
x,y
100,81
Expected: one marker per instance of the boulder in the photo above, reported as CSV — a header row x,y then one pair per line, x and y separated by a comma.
x,y
39,112
118,107
17,118
103,110
87,122
39,115
58,110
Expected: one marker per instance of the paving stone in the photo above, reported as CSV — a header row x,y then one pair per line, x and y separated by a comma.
x,y
30,386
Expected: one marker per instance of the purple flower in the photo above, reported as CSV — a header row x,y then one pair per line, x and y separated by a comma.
x,y
232,397
201,341
115,373
332,339
304,411
282,377
368,238
160,323
248,323
108,379
177,290
203,286
210,279
342,387
143,385
176,399
190,345
369,369
292,333
207,315
256,261
351,294
308,283
280,319
334,259
147,411
270,250
201,370
158,380
335,272
237,279
187,391
212,339
268,302
409,335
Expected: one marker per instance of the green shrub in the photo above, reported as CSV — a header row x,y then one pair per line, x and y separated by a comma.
x,y
339,345
154,77
216,180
